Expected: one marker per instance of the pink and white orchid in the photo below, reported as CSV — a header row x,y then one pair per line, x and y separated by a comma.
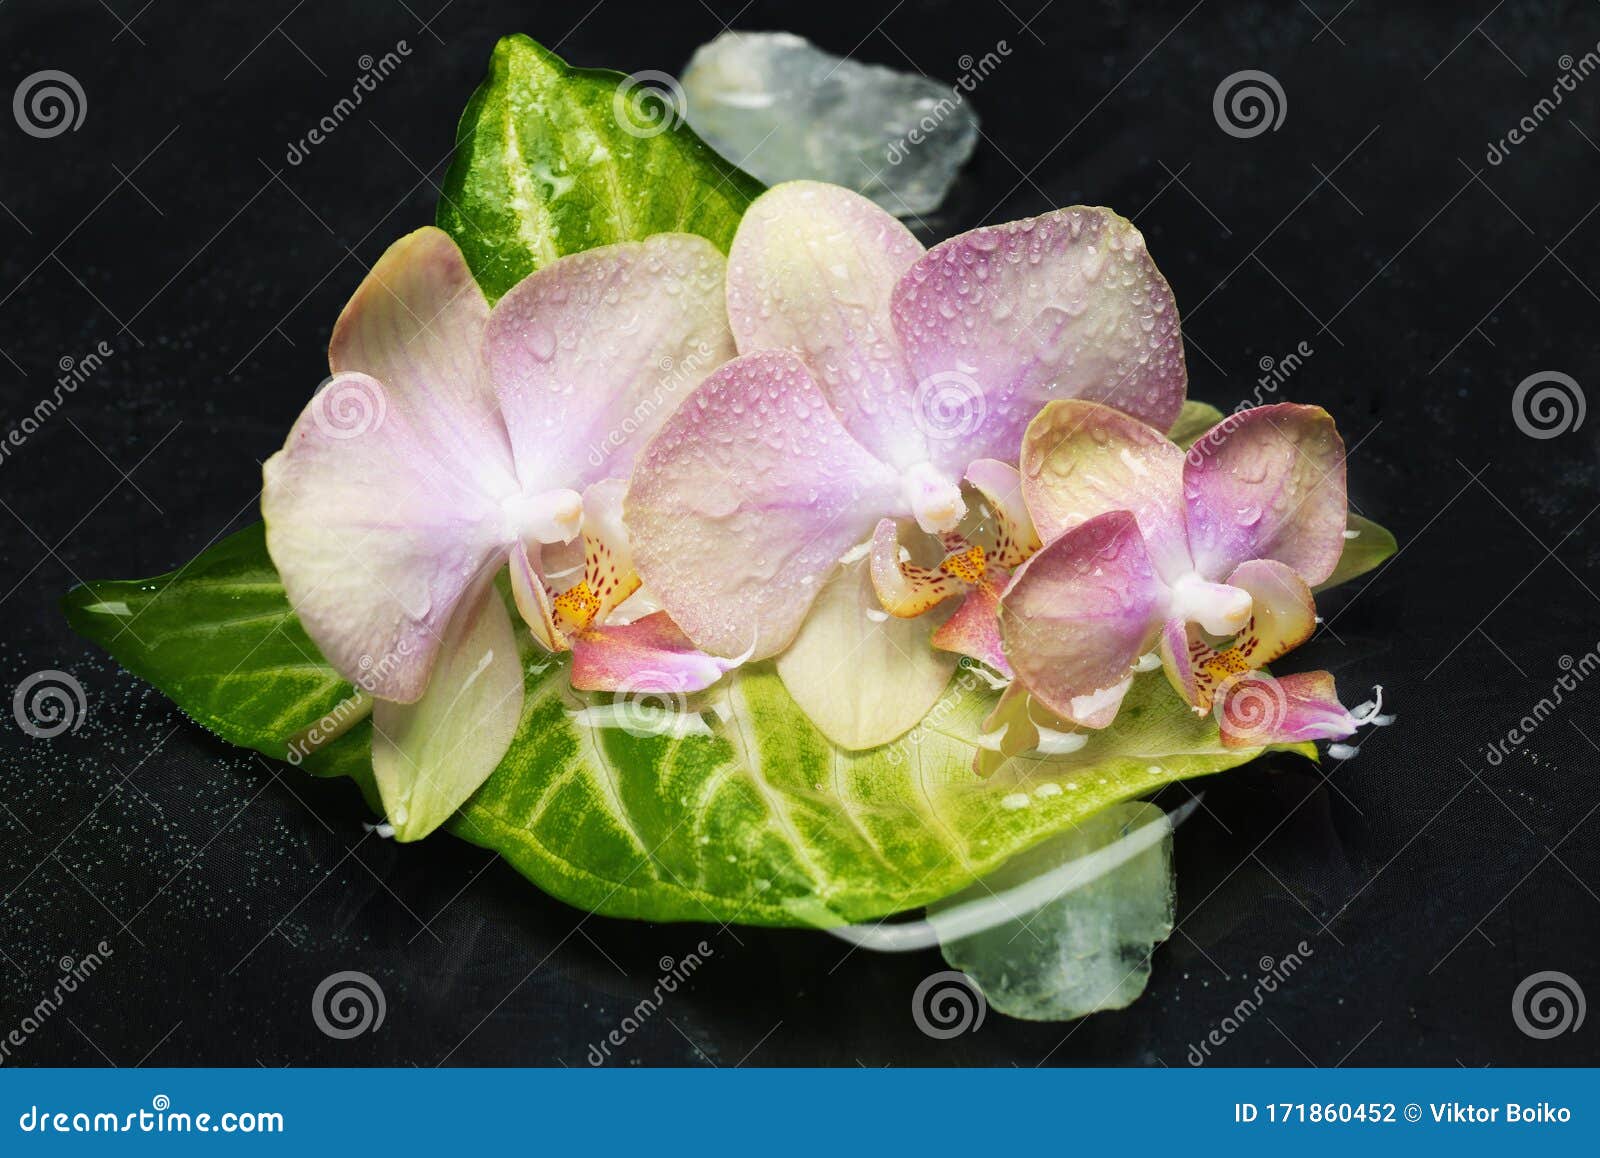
x,y
454,440
1206,557
875,379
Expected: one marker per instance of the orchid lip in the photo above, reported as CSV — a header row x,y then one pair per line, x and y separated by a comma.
x,y
553,516
933,497
1218,609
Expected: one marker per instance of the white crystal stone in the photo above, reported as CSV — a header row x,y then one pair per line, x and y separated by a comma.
x,y
1088,947
783,109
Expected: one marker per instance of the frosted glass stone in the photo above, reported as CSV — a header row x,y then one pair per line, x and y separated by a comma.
x,y
1087,949
783,109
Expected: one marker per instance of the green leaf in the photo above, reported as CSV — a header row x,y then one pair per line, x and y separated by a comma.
x,y
219,638
552,159
734,808
1193,420
738,809
1371,545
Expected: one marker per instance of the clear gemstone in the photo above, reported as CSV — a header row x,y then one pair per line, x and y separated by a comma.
x,y
1087,949
784,110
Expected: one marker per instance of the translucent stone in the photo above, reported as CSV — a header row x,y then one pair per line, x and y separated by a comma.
x,y
1087,949
782,109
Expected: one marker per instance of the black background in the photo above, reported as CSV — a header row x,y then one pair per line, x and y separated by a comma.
x,y
1428,283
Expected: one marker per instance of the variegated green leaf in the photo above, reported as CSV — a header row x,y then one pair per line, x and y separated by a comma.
x,y
552,159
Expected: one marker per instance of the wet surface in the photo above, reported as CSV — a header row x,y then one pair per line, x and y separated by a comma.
x,y
1369,254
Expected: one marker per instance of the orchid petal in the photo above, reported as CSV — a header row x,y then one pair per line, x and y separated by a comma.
x,y
1008,731
383,506
416,325
1283,616
379,532
1079,614
744,502
861,677
648,657
428,757
1067,305
1268,483
1259,710
974,630
635,607
1081,459
592,353
1013,537
811,270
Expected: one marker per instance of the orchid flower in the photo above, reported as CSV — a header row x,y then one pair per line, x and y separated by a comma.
x,y
1206,557
875,379
454,440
